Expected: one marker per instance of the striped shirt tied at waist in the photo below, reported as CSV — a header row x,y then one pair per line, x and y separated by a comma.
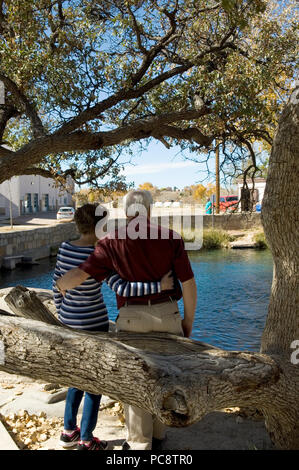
x,y
83,307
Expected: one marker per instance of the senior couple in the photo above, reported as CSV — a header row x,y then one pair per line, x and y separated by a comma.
x,y
135,261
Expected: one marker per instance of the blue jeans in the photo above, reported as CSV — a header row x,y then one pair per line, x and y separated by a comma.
x,y
90,408
89,415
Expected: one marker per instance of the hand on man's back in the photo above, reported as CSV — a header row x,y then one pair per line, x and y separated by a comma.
x,y
167,282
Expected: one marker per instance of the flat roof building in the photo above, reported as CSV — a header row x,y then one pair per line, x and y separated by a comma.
x,y
26,194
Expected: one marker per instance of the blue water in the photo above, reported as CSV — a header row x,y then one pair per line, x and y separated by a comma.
x,y
233,294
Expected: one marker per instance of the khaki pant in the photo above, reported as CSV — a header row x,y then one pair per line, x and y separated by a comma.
x,y
165,317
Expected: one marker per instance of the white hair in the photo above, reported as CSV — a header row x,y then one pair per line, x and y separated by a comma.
x,y
137,201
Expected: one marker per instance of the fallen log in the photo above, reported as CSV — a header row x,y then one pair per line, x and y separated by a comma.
x,y
175,378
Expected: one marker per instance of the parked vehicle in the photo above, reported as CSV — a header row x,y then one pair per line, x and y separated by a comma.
x,y
228,203
65,213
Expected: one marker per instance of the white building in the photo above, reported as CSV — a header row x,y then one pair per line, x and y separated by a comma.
x,y
27,194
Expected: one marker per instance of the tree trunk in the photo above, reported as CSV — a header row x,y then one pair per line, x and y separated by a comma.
x,y
280,221
25,303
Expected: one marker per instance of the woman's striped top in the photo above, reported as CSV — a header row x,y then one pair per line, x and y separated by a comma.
x,y
84,307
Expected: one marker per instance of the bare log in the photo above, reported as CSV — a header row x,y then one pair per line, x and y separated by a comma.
x,y
177,379
25,303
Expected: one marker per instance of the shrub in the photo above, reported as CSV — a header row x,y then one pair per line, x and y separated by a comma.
x,y
260,241
212,239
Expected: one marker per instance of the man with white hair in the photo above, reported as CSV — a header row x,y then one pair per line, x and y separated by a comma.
x,y
143,251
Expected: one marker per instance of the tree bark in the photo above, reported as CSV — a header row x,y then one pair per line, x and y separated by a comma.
x,y
280,221
25,303
177,379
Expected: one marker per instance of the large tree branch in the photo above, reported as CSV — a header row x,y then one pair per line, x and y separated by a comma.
x,y
37,171
150,55
175,378
29,108
5,153
191,134
130,93
15,162
6,113
123,95
138,31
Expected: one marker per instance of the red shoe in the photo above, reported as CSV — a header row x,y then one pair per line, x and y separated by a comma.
x,y
70,440
95,444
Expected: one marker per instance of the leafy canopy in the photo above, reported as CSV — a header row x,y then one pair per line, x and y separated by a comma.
x,y
84,80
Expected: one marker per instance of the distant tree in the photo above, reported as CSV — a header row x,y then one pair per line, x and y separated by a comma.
x,y
198,192
110,191
81,197
147,186
211,189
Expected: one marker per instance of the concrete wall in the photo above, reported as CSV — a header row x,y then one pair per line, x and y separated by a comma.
x,y
244,221
19,186
10,189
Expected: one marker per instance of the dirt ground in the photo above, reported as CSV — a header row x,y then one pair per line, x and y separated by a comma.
x,y
35,424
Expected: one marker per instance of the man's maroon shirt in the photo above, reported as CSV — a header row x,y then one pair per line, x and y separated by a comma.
x,y
141,259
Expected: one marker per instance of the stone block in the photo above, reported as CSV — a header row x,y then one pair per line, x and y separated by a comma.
x,y
10,262
9,250
3,250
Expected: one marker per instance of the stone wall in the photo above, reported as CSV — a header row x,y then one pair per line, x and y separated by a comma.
x,y
37,242
43,241
244,221
241,221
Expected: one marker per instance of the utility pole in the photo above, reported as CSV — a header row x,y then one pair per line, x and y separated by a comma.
x,y
217,178
2,102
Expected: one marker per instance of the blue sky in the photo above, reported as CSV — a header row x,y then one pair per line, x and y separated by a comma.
x,y
165,167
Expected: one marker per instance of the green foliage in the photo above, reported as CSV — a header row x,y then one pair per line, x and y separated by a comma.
x,y
215,239
260,241
212,239
114,63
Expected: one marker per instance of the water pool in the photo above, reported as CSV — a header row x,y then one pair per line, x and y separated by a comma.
x,y
233,294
